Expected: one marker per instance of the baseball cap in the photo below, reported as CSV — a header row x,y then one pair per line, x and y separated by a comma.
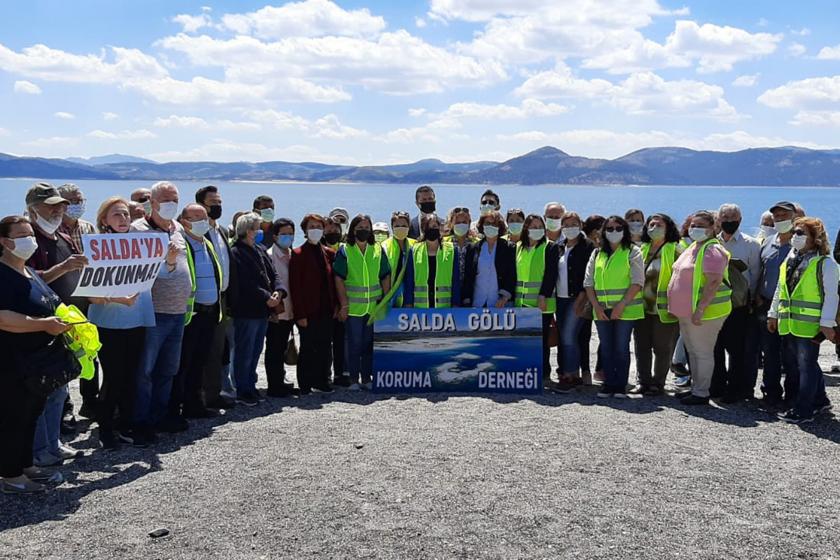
x,y
43,193
784,205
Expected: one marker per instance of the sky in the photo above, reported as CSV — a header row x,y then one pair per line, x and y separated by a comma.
x,y
378,82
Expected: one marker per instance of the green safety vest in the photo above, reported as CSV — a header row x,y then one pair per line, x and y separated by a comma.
x,y
530,269
362,284
667,255
445,260
191,264
721,305
392,252
612,280
82,339
800,311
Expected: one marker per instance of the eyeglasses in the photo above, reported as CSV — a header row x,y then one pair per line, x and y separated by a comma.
x,y
489,202
399,214
616,228
799,232
460,209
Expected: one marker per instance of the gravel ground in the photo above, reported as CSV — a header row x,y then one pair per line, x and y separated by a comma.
x,y
355,475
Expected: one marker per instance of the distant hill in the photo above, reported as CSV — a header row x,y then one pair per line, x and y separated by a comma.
x,y
786,166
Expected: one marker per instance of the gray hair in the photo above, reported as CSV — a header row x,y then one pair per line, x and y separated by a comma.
x,y
68,189
729,207
766,215
158,188
247,222
550,204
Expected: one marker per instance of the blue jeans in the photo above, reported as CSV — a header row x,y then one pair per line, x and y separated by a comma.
x,y
779,357
615,353
249,337
359,337
680,353
48,428
158,365
568,329
811,381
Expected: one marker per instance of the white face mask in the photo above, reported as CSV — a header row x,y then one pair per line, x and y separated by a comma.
x,y
798,242
491,232
656,232
147,207
461,230
636,228
486,209
199,228
168,210
314,235
768,230
49,226
515,228
536,234
24,247
697,234
784,226
553,224
344,229
571,232
75,211
267,214
615,236
400,232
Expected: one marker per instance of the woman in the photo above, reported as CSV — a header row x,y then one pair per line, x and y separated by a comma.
x,y
536,279
334,227
432,276
699,297
592,230
314,302
27,325
363,277
614,279
458,226
490,275
255,299
515,221
636,224
396,249
575,250
804,310
280,322
656,334
122,323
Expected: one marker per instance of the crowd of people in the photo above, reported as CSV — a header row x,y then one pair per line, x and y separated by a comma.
x,y
701,299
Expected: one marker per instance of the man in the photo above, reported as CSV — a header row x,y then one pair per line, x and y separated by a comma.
x,y
59,263
553,214
187,399
777,358
264,206
170,294
342,216
143,197
489,202
424,198
136,210
215,369
738,336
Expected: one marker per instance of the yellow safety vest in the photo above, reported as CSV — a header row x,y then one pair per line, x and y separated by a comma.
x,y
612,280
191,264
362,284
667,255
800,311
721,305
445,260
530,269
82,339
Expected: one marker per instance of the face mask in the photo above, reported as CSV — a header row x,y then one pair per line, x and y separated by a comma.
x,y
636,228
798,242
147,207
432,234
461,229
215,212
199,228
730,227
48,226
285,241
332,238
615,236
363,235
400,232
168,210
380,237
515,228
259,237
267,214
697,234
491,232
427,207
24,247
314,235
768,230
486,209
784,226
344,229
656,232
75,211
552,224
536,234
571,232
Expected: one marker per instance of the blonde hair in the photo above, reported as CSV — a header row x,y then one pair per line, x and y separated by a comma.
x,y
102,213
816,229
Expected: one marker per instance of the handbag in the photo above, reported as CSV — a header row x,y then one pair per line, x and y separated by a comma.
x,y
291,356
50,367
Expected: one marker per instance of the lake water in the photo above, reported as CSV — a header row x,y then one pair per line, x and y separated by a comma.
x,y
379,200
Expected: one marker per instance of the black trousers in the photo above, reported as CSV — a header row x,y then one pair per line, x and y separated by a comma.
x,y
276,342
188,382
731,379
314,358
337,349
19,412
119,356
218,356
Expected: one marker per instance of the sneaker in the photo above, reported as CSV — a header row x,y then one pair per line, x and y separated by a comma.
x,y
108,439
680,370
20,485
695,400
682,381
38,474
355,387
599,377
172,425
793,417
46,459
638,390
248,400
604,394
67,452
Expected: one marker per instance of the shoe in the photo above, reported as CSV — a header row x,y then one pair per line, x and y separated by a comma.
x,y
68,425
341,380
562,388
88,410
283,392
138,437
125,436
683,381
638,390
367,386
67,452
835,368
172,425
222,403
355,387
683,394
306,391
653,392
599,377
793,417
586,378
620,395
38,474
731,399
604,394
694,400
823,409
680,370
108,439
200,412
323,389
248,399
770,402
21,486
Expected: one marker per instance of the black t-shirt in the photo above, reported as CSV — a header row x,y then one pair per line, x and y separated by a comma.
x,y
28,296
50,253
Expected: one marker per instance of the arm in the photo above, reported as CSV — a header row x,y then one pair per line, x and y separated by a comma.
x,y
341,292
506,269
589,286
70,264
13,322
828,317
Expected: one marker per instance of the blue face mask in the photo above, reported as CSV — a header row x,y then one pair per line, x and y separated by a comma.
x,y
285,241
259,237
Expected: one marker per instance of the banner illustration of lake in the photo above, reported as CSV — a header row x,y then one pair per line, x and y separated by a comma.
x,y
458,350
121,264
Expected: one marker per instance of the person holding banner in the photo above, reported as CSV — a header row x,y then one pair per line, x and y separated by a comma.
x,y
432,275
614,279
490,276
536,279
363,276
396,249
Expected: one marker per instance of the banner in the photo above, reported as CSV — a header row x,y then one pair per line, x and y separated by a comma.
x,y
458,350
121,264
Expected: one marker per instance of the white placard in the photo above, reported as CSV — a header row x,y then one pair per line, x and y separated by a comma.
x,y
121,264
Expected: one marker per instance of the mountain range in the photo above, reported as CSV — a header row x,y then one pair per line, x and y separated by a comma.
x,y
785,166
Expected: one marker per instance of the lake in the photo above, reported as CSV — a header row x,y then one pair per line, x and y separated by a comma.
x,y
379,200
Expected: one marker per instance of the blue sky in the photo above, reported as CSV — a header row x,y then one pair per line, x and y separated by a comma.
x,y
384,82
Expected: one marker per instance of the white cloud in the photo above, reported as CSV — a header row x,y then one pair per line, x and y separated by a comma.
x,y
198,123
527,109
803,32
746,80
607,11
64,115
796,49
829,53
22,86
309,18
109,116
330,127
142,134
816,118
52,142
224,150
419,22
812,93
191,24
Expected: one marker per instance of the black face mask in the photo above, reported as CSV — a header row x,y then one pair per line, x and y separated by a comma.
x,y
730,227
215,212
363,235
432,234
332,238
427,207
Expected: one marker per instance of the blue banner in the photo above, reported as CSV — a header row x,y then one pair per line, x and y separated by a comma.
x,y
458,350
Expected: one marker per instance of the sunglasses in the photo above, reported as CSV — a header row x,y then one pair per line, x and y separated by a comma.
x,y
489,202
399,215
799,232
460,209
611,228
